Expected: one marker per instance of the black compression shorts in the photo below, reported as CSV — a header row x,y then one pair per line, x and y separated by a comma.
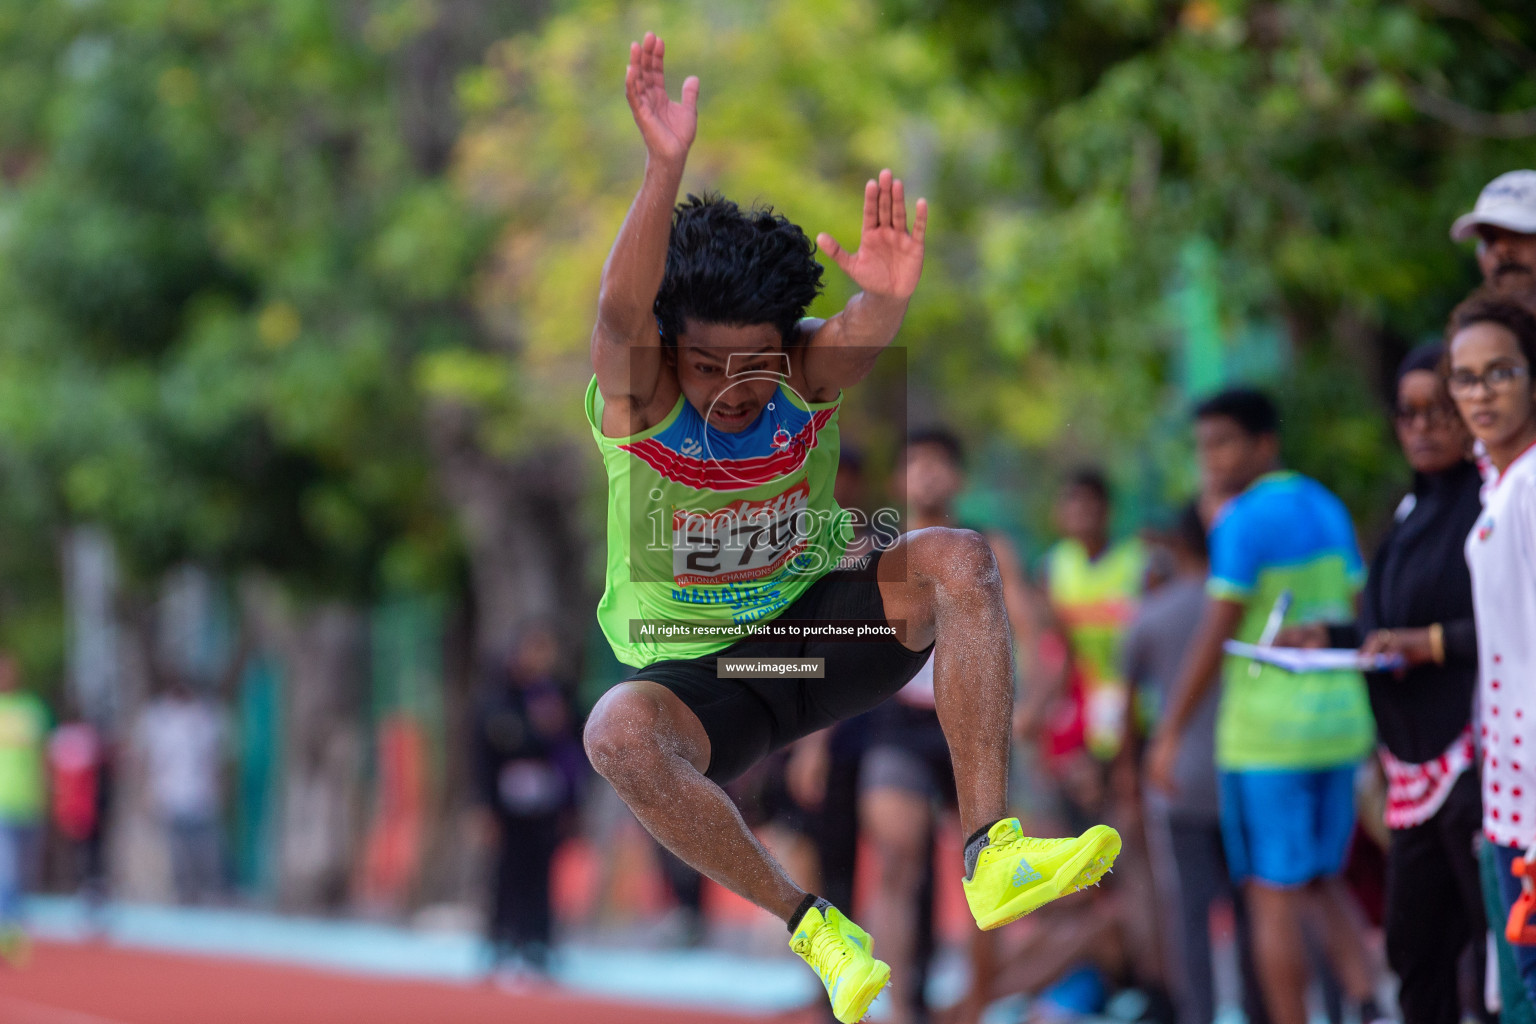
x,y
748,718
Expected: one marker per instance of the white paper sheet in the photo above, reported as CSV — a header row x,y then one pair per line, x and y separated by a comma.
x,y
1314,659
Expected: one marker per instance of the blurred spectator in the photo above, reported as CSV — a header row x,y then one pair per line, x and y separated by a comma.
x,y
906,780
1504,223
1183,827
180,739
77,770
1288,745
822,773
1492,355
23,731
1086,949
1417,604
1093,586
527,763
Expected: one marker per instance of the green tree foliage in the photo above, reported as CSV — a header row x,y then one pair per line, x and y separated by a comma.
x,y
1320,148
222,254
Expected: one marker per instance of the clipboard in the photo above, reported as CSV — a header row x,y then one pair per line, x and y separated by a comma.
x,y
1309,659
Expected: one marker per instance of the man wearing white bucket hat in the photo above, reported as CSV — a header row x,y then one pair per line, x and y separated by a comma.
x,y
1504,223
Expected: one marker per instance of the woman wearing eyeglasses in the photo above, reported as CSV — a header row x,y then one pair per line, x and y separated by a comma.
x,y
1417,604
1491,351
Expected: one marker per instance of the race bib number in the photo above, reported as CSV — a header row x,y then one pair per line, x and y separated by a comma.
x,y
746,540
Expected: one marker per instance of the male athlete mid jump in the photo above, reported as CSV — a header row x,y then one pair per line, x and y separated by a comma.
x,y
715,405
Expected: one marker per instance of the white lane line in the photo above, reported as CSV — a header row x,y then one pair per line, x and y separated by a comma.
x,y
22,1011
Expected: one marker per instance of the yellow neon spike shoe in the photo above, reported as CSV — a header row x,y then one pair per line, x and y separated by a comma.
x,y
842,954
1015,874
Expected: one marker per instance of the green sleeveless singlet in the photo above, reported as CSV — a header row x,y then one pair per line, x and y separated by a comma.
x,y
710,532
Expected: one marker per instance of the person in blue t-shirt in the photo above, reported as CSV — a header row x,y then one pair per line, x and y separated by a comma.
x,y
1287,745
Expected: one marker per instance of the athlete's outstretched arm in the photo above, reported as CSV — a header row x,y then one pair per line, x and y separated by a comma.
x,y
626,346
886,267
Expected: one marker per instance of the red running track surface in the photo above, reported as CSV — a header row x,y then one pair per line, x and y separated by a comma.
x,y
99,984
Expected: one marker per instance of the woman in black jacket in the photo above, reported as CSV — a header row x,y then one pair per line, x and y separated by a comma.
x,y
1417,603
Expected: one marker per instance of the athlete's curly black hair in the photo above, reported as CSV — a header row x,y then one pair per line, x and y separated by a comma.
x,y
726,265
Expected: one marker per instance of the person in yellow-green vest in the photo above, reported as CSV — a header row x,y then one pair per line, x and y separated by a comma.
x,y
1094,586
23,731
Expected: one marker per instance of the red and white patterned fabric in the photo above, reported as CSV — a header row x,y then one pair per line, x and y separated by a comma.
x,y
1416,791
1501,553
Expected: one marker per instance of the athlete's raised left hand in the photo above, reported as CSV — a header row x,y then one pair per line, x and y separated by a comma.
x,y
889,259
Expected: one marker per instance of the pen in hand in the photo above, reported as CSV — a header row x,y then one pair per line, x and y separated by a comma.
x,y
1272,626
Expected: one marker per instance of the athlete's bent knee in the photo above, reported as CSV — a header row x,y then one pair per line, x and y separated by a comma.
x,y
959,558
622,730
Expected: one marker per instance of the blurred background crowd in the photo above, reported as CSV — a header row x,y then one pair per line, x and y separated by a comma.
x,y
300,533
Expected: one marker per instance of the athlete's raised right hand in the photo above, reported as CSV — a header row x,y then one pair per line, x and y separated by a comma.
x,y
667,127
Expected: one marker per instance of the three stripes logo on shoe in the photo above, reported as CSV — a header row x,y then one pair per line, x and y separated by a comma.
x,y
1024,874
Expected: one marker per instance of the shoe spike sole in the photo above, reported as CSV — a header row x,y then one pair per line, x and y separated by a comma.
x,y
883,986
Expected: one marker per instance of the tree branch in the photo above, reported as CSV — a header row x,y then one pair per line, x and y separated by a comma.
x,y
1518,124
1491,28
